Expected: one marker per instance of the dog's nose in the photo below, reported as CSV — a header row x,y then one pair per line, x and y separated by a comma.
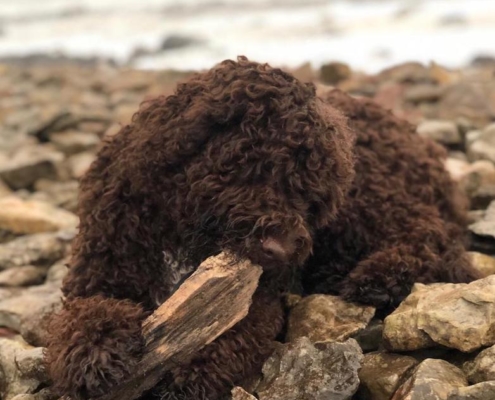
x,y
275,250
284,248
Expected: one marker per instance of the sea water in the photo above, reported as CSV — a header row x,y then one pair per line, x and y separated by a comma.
x,y
369,35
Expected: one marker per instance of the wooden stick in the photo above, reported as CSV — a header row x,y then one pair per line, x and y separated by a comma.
x,y
212,300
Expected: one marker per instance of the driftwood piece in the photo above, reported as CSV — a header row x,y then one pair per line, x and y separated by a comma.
x,y
213,299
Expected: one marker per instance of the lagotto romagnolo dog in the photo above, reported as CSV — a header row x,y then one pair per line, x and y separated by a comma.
x,y
246,158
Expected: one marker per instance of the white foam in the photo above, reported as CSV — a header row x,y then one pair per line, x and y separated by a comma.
x,y
368,35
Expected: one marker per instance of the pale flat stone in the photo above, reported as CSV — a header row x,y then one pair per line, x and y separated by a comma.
x,y
459,316
27,217
28,165
22,276
38,249
445,132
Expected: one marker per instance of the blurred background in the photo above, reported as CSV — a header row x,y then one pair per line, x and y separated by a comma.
x,y
195,34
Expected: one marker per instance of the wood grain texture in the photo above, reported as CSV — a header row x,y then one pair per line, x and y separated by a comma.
x,y
212,300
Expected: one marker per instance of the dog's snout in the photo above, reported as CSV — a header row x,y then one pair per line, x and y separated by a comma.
x,y
285,248
274,249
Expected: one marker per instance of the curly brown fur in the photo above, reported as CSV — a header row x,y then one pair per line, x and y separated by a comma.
x,y
95,344
239,158
402,221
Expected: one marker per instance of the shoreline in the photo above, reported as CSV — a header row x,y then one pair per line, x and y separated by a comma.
x,y
369,35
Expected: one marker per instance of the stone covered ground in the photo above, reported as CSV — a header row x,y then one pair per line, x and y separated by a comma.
x,y
439,344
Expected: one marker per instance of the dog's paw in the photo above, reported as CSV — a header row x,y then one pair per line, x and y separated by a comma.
x,y
94,345
364,291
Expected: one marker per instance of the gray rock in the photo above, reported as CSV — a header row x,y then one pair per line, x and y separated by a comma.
x,y
239,393
305,72
6,236
334,72
482,368
423,93
26,217
486,226
7,293
31,364
59,194
37,249
303,371
24,397
483,263
431,380
322,317
12,139
483,196
483,60
46,394
72,142
22,276
406,72
457,167
30,164
483,146
453,19
477,180
79,163
401,331
469,99
445,132
53,117
43,394
472,136
475,216
381,374
370,338
465,126
28,312
174,42
489,131
459,316
481,391
459,155
57,272
481,150
13,380
482,229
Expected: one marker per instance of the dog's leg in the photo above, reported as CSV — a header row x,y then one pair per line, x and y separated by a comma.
x,y
386,277
94,344
423,252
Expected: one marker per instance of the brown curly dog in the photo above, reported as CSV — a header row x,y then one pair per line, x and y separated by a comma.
x,y
245,157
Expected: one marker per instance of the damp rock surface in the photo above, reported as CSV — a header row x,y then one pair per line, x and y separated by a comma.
x,y
322,318
304,371
431,380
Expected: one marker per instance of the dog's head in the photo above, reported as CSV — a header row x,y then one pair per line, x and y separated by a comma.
x,y
260,162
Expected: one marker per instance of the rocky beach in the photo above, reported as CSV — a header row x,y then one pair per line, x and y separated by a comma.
x,y
439,344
